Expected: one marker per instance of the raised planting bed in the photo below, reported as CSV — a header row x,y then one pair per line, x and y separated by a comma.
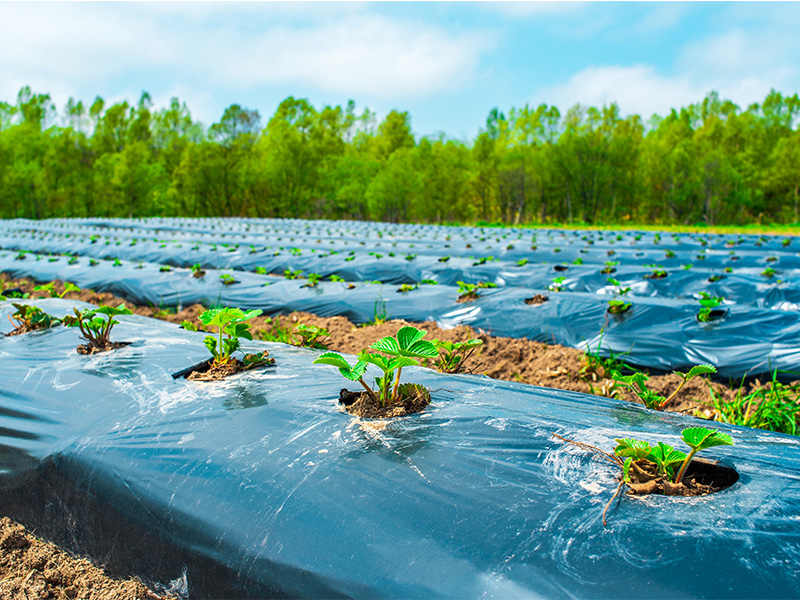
x,y
261,485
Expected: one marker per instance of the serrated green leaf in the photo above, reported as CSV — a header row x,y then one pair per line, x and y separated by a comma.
x,y
398,362
636,449
664,454
387,344
421,349
700,370
408,335
700,438
333,359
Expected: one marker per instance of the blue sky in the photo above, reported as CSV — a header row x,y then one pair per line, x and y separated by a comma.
x,y
446,63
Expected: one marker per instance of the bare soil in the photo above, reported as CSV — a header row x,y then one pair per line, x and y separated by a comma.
x,y
214,371
32,569
93,349
412,399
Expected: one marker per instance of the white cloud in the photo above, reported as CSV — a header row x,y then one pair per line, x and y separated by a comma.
x,y
349,51
636,89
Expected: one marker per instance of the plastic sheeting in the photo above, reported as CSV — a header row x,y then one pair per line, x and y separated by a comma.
x,y
658,333
260,486
380,251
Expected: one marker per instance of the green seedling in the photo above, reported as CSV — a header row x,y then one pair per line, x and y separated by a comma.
x,y
636,383
610,267
260,271
117,263
197,271
698,439
669,254
403,350
444,259
29,318
654,464
656,272
165,269
428,282
769,272
453,355
94,263
558,284
407,287
336,278
687,267
410,257
313,280
577,261
289,274
93,327
522,262
310,336
707,304
469,291
616,307
715,278
227,279
50,289
232,326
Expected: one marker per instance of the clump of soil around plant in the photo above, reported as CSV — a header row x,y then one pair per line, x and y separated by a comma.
x,y
537,299
214,371
87,349
702,478
413,399
34,569
468,297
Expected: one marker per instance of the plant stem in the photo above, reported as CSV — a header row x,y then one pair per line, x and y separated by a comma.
x,y
396,385
685,465
672,395
369,391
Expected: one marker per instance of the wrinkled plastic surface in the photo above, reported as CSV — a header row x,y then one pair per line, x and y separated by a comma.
x,y
657,333
263,477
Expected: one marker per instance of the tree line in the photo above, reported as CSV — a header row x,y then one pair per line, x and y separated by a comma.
x,y
712,162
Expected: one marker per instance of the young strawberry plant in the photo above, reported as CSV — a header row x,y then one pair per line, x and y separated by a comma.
x,y
557,285
636,383
50,289
95,329
656,272
311,336
228,279
231,326
661,469
615,306
313,280
469,291
707,305
197,271
30,318
405,349
610,267
289,274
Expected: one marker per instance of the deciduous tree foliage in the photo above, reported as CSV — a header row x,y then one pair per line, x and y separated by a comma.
x,y
712,162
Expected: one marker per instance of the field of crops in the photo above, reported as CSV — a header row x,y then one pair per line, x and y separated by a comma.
x,y
260,485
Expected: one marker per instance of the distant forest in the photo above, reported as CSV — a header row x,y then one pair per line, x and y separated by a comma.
x,y
712,162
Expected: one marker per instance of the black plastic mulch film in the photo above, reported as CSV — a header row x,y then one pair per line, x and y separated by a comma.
x,y
260,486
757,335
